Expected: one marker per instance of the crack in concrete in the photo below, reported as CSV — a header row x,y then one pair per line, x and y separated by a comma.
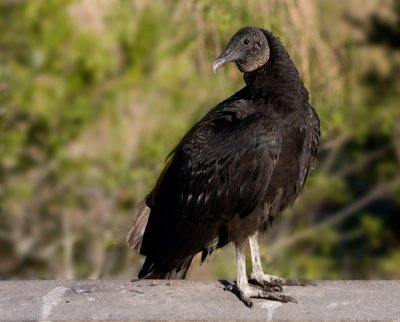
x,y
51,300
270,306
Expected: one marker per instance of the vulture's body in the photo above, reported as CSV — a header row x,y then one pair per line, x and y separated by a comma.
x,y
235,170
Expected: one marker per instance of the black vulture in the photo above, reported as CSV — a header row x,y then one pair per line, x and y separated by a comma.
x,y
234,171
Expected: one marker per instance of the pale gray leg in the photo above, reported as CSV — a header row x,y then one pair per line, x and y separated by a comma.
x,y
244,289
240,251
255,255
258,277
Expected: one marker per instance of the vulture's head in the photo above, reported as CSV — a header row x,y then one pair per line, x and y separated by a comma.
x,y
248,48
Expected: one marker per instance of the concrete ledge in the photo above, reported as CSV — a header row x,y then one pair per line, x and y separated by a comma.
x,y
192,300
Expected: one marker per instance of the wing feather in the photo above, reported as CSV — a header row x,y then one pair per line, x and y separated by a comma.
x,y
220,169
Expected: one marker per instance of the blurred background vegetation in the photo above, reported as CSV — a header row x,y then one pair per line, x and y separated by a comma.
x,y
95,93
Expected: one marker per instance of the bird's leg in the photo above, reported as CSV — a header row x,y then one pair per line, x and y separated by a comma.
x,y
244,290
258,277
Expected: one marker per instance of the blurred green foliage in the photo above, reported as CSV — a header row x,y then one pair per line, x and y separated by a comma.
x,y
94,94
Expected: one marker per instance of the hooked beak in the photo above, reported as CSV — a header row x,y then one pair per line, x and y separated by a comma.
x,y
218,63
228,55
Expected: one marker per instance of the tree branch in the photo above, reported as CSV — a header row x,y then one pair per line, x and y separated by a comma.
x,y
334,219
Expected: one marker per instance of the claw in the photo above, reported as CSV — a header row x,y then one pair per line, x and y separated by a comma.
x,y
240,294
246,292
310,283
299,282
291,299
245,299
270,281
266,286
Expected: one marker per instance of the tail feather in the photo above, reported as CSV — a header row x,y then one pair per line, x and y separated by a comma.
x,y
135,235
151,271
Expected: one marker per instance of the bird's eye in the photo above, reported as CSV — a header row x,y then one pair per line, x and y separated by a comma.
x,y
246,42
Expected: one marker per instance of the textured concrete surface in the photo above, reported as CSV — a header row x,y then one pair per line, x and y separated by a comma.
x,y
193,300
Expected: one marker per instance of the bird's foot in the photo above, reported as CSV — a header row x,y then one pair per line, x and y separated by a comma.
x,y
267,281
246,292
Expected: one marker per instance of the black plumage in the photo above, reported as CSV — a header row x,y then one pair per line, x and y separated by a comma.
x,y
237,168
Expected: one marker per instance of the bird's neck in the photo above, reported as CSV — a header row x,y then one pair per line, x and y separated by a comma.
x,y
278,78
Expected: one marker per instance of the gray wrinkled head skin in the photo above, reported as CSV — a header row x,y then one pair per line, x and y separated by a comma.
x,y
248,48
